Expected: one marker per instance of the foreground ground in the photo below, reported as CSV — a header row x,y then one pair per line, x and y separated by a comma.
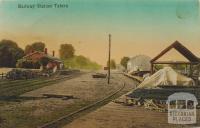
x,y
33,109
115,115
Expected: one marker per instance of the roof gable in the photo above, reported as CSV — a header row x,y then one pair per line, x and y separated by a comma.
x,y
35,52
44,55
181,49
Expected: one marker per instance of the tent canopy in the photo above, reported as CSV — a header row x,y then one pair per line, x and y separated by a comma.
x,y
165,77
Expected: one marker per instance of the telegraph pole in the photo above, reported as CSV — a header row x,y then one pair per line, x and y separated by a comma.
x,y
109,53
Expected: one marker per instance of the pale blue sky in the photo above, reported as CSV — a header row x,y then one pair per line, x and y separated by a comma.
x,y
86,24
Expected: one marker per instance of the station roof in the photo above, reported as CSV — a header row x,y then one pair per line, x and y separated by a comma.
x,y
182,50
44,55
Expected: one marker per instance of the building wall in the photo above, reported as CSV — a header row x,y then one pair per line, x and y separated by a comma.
x,y
140,62
35,57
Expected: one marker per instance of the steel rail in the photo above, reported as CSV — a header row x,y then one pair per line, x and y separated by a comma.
x,y
55,123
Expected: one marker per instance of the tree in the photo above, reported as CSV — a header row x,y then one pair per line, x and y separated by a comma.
x,y
112,64
9,53
124,62
37,46
28,49
66,51
81,60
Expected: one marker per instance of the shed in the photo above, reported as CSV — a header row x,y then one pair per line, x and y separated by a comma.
x,y
139,63
53,61
192,59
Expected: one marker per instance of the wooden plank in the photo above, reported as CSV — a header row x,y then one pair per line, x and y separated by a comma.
x,y
174,62
162,53
181,49
137,78
58,96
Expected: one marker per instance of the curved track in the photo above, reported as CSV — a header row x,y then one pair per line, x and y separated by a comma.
x,y
68,118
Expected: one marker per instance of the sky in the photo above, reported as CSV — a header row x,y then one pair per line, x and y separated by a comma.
x,y
137,26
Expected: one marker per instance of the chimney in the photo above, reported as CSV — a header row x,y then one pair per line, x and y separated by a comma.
x,y
53,54
45,50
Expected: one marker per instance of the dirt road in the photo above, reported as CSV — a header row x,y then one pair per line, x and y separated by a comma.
x,y
35,109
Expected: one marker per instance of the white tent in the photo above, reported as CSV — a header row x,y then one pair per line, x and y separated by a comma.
x,y
166,76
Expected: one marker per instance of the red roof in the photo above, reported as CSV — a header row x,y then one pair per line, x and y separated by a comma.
x,y
44,55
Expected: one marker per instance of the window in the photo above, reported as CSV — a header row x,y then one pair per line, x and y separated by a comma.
x,y
190,104
172,104
181,104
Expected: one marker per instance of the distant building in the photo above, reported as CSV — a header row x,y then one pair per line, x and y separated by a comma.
x,y
120,67
139,63
53,62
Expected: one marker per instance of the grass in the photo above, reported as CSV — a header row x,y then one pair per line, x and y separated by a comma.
x,y
81,62
20,118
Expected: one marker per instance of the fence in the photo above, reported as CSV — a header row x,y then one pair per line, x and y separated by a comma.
x,y
3,75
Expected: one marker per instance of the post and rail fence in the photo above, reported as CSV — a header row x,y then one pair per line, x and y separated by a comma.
x,y
3,75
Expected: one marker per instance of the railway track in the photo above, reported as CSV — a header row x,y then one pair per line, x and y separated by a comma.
x,y
20,87
69,117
